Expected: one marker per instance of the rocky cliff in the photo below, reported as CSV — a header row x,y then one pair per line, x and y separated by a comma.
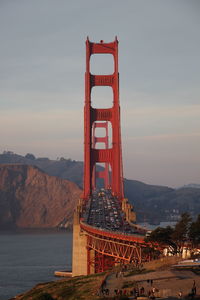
x,y
152,203
29,198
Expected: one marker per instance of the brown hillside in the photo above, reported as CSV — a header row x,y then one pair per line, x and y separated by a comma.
x,y
30,198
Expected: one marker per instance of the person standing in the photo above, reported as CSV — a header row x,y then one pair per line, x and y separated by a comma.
x,y
194,289
180,294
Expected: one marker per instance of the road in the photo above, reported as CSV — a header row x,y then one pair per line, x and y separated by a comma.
x,y
104,211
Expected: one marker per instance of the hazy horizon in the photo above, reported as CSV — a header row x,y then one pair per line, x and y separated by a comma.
x,y
58,158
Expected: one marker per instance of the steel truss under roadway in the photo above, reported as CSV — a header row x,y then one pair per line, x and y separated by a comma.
x,y
111,248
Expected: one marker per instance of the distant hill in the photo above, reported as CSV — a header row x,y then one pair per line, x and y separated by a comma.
x,y
152,203
190,185
64,168
29,198
155,203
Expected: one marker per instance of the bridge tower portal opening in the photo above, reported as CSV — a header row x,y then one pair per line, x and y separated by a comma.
x,y
103,174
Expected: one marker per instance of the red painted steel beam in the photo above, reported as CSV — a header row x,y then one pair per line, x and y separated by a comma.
x,y
119,251
112,235
101,125
102,114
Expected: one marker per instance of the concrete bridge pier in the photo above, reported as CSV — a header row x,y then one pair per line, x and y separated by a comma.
x,y
79,250
81,255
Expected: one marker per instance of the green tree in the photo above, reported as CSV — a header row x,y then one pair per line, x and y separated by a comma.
x,y
163,236
30,156
181,231
194,232
43,296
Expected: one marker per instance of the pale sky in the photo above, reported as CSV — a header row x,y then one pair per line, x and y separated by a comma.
x,y
42,65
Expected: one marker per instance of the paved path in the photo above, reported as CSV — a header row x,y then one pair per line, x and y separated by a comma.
x,y
168,283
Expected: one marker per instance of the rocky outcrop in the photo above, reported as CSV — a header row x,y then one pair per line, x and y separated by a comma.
x,y
152,203
29,198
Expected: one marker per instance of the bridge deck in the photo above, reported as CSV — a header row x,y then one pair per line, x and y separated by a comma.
x,y
103,213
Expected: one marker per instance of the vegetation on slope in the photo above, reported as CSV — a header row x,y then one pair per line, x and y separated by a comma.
x,y
185,231
157,203
80,287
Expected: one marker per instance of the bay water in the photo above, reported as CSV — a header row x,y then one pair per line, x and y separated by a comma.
x,y
31,257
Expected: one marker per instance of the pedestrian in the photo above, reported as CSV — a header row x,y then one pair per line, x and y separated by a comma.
x,y
136,292
102,290
194,289
103,284
142,291
191,294
107,292
180,294
151,295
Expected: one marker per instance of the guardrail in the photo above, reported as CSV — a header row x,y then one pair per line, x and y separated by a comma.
x,y
113,234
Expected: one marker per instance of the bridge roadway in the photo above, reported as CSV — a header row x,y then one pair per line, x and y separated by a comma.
x,y
103,213
108,233
110,239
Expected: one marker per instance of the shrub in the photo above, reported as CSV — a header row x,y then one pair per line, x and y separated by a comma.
x,y
43,296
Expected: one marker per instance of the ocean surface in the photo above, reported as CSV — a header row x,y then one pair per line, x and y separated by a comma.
x,y
30,257
162,224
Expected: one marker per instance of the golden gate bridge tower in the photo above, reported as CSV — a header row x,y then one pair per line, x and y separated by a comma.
x,y
92,156
104,232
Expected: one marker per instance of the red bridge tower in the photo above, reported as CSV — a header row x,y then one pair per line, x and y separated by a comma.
x,y
95,249
93,116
